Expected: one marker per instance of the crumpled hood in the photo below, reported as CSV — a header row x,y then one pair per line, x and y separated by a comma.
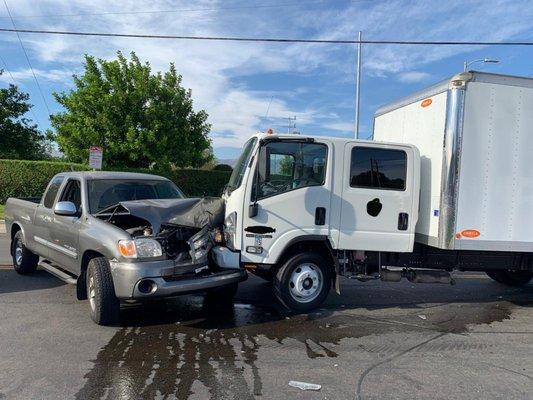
x,y
192,212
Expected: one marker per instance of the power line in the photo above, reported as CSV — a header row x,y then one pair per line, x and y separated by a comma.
x,y
271,40
179,10
16,84
28,59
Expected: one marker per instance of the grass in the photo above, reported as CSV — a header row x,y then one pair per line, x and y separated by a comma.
x,y
2,207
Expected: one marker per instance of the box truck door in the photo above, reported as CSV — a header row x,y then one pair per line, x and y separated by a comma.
x,y
292,195
379,206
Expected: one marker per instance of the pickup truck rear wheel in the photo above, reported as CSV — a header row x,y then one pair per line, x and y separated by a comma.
x,y
511,278
303,282
24,261
104,304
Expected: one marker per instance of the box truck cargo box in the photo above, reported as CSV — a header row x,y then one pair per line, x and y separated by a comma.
x,y
475,136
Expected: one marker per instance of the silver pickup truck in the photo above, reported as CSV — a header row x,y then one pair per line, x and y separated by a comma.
x,y
122,236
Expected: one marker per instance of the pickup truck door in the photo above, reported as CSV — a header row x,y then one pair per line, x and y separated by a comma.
x,y
380,190
64,230
43,218
293,198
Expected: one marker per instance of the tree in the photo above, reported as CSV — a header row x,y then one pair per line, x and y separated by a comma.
x,y
139,118
19,137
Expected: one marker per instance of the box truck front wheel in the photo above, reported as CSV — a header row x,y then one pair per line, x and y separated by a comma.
x,y
303,282
511,278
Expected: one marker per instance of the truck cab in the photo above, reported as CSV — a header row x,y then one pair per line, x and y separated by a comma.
x,y
295,204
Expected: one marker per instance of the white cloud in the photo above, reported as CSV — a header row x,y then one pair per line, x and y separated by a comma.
x,y
340,126
413,76
50,75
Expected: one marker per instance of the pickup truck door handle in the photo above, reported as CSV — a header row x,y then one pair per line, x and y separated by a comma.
x,y
320,216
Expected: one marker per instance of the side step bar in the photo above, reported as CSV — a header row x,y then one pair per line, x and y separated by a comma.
x,y
57,272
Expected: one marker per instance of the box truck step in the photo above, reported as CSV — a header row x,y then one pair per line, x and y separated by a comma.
x,y
58,272
417,276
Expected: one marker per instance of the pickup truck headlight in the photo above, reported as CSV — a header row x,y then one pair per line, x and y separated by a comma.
x,y
230,230
140,248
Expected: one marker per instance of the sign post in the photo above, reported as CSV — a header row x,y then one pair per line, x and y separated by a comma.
x,y
96,154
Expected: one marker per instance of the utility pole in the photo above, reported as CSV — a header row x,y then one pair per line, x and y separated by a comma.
x,y
358,85
291,123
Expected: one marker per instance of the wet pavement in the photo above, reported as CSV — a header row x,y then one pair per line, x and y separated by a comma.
x,y
375,341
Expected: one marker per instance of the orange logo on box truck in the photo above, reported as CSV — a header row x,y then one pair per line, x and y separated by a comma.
x,y
470,233
426,103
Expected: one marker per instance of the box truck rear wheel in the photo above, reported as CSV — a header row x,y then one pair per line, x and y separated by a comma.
x,y
303,282
511,278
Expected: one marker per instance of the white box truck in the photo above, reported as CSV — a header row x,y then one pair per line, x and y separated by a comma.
x,y
446,185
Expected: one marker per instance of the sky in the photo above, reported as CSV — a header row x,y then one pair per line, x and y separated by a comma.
x,y
250,87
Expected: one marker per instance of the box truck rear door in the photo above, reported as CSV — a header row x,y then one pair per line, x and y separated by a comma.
x,y
379,206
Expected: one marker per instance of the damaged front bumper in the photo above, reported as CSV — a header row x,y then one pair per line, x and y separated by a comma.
x,y
148,279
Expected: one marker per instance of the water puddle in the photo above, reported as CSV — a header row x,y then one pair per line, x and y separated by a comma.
x,y
164,349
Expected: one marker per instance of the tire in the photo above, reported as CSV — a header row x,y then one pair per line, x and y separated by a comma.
x,y
103,303
294,283
24,261
511,278
222,294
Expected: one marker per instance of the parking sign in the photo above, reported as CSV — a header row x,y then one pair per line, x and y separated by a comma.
x,y
95,157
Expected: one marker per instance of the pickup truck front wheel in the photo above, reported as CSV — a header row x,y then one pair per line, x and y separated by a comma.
x,y
303,282
104,304
24,261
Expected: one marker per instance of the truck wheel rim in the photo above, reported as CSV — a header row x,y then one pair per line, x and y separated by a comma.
x,y
92,293
306,282
18,252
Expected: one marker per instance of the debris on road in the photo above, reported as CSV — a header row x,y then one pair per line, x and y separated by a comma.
x,y
305,385
422,317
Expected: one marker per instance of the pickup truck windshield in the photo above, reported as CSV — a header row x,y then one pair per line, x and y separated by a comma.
x,y
235,179
104,193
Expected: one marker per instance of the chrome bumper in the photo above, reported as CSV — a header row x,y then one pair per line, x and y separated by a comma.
x,y
166,279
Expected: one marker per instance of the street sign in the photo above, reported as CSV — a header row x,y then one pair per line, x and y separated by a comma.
x,y
95,157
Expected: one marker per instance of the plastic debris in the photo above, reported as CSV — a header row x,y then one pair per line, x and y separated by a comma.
x,y
305,385
422,317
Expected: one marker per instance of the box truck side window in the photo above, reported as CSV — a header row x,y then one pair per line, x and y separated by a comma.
x,y
378,168
289,166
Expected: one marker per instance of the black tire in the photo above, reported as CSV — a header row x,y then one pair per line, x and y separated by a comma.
x,y
103,303
24,261
285,287
222,294
511,278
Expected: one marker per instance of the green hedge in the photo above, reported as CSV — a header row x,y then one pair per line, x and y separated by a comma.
x,y
20,178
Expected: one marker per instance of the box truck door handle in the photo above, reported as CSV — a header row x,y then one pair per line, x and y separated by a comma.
x,y
320,216
259,229
403,221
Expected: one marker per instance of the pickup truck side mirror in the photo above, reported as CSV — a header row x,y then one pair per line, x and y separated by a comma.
x,y
66,208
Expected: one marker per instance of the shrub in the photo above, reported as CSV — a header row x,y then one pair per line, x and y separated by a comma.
x,y
222,167
20,178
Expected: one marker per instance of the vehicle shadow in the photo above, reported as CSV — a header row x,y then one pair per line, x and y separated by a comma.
x,y
163,349
12,282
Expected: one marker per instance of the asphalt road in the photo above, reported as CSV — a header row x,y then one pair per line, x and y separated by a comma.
x,y
375,341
